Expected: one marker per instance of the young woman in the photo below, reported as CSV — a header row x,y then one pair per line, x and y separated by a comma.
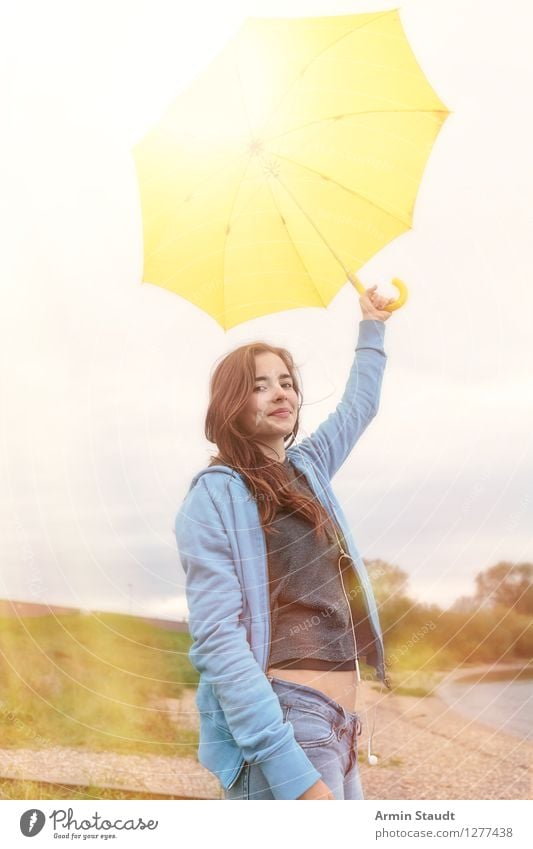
x,y
281,607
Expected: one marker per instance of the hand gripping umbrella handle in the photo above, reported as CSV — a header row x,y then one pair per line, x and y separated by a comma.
x,y
402,289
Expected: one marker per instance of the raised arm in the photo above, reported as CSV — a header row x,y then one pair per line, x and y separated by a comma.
x,y
329,446
222,654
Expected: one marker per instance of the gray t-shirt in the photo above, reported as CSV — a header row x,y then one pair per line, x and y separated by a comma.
x,y
310,617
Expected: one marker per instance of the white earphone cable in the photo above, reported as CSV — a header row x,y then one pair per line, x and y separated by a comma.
x,y
372,759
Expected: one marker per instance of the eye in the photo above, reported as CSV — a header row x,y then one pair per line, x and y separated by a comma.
x,y
261,386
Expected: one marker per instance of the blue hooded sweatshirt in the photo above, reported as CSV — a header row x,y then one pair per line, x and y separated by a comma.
x,y
222,549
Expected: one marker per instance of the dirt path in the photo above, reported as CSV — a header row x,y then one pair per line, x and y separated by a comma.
x,y
429,751
142,774
426,750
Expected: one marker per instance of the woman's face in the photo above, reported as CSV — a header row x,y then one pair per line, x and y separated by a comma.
x,y
274,390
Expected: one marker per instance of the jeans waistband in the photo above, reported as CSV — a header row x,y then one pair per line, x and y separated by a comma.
x,y
289,692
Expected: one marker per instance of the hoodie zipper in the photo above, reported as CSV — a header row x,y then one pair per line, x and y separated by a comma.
x,y
269,636
262,546
339,561
376,635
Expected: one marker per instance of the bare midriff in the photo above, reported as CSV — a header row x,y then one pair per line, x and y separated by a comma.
x,y
339,684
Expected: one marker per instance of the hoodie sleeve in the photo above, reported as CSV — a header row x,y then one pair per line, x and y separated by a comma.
x,y
222,654
329,446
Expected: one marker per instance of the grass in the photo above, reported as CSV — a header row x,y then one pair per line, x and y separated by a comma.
x,y
419,692
418,675
422,677
89,681
524,674
42,790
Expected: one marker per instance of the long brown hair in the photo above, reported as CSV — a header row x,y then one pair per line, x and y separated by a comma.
x,y
231,385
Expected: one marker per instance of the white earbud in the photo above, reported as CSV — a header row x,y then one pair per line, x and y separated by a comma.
x,y
372,759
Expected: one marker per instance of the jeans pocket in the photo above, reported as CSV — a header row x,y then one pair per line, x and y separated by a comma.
x,y
311,728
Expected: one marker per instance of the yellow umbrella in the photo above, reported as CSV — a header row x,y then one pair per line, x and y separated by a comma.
x,y
286,165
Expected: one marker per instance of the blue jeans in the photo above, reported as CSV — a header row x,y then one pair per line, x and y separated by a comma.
x,y
325,730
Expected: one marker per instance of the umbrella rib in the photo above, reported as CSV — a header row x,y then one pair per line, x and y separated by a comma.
x,y
228,231
320,53
208,178
351,191
351,115
229,225
300,207
297,252
162,244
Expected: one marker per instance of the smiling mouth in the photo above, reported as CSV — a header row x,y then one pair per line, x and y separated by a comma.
x,y
282,415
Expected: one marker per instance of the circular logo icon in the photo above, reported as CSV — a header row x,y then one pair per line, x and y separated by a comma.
x,y
31,822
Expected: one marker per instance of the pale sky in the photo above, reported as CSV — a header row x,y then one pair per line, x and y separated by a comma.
x,y
104,381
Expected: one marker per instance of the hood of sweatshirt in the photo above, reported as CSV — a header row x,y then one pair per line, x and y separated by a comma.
x,y
225,470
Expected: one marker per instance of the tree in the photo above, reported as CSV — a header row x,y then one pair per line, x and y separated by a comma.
x,y
465,604
388,581
507,584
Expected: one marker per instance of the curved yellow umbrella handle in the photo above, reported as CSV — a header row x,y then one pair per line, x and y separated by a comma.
x,y
402,289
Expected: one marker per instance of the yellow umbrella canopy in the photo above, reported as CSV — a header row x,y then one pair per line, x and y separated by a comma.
x,y
286,165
